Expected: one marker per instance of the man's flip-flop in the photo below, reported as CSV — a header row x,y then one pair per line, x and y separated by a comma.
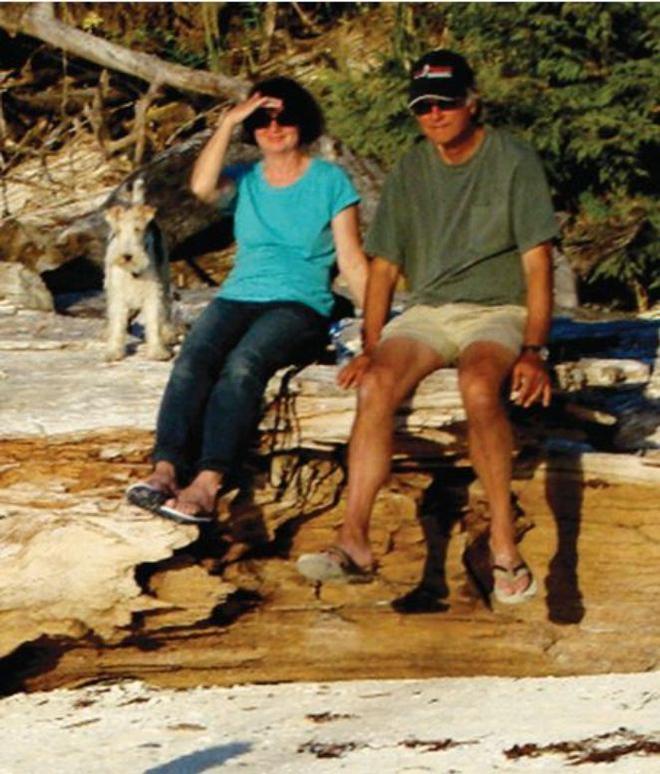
x,y
511,576
151,499
333,564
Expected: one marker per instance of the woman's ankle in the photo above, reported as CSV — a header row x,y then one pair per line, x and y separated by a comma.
x,y
164,468
163,475
208,480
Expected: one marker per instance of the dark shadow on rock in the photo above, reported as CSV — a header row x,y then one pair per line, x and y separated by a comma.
x,y
441,507
419,601
476,560
216,236
88,304
201,760
564,488
75,276
239,603
29,660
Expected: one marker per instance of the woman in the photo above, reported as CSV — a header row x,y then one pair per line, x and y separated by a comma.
x,y
294,216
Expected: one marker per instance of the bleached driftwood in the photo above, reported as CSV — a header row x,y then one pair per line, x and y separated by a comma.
x,y
309,410
592,372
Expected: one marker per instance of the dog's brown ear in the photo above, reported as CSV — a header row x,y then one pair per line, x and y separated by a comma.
x,y
144,212
113,215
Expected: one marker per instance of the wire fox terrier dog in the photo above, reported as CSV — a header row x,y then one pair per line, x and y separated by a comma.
x,y
137,278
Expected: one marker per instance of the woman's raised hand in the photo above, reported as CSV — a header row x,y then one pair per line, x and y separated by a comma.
x,y
242,110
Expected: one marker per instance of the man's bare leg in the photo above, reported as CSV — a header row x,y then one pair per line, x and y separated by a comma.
x,y
398,365
483,368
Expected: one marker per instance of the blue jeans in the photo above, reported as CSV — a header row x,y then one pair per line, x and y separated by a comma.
x,y
212,401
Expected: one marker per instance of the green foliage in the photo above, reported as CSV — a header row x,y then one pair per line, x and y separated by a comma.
x,y
634,264
369,114
168,45
578,80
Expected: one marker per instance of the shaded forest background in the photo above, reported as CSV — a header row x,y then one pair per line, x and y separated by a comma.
x,y
578,80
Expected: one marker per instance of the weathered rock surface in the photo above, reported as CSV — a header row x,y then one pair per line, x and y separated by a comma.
x,y
262,621
71,560
22,288
101,589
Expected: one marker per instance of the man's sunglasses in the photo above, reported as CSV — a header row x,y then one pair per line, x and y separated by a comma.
x,y
262,118
425,106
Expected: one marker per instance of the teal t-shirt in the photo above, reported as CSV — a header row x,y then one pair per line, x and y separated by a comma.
x,y
458,232
284,236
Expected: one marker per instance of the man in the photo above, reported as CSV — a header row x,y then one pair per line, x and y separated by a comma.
x,y
466,216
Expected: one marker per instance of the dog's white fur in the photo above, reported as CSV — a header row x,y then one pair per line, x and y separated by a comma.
x,y
136,280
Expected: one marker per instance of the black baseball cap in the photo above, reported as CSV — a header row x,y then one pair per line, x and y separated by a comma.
x,y
440,74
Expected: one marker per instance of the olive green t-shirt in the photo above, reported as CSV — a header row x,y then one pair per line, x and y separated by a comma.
x,y
458,231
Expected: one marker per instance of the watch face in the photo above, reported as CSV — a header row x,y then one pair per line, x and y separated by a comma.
x,y
541,351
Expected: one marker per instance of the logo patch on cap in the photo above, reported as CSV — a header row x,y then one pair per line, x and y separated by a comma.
x,y
429,71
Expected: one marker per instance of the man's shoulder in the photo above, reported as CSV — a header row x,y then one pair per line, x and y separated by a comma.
x,y
513,146
412,158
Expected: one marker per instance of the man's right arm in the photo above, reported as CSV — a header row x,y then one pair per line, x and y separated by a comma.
x,y
381,282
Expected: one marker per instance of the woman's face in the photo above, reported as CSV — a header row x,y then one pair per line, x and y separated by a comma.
x,y
279,135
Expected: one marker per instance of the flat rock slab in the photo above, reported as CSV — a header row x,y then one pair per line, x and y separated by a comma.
x,y
72,561
592,543
449,725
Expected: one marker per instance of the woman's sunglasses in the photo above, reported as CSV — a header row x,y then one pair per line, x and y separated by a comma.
x,y
262,118
425,106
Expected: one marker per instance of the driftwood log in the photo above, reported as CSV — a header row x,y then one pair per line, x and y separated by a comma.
x,y
307,410
73,226
39,21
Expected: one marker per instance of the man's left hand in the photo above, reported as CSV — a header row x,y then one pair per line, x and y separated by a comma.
x,y
530,381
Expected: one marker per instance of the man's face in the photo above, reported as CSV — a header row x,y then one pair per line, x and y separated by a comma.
x,y
446,125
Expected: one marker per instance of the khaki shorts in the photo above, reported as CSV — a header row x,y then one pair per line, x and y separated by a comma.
x,y
450,328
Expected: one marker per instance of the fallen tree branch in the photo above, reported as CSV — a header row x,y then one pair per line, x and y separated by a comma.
x,y
38,20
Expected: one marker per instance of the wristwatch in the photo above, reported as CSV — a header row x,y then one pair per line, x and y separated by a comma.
x,y
539,349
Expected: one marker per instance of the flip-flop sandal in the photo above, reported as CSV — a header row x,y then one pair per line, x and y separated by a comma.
x,y
511,576
202,517
151,499
146,496
333,564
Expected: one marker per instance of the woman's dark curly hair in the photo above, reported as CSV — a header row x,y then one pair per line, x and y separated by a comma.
x,y
298,103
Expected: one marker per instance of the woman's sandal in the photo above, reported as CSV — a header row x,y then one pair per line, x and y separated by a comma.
x,y
146,496
510,577
152,499
333,564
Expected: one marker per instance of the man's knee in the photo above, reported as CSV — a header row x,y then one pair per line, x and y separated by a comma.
x,y
481,392
377,389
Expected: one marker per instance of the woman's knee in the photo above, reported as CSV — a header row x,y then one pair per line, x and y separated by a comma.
x,y
195,358
246,367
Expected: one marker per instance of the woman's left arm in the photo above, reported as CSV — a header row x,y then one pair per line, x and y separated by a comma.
x,y
351,258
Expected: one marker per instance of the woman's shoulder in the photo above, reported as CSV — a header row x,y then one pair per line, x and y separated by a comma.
x,y
239,170
329,169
